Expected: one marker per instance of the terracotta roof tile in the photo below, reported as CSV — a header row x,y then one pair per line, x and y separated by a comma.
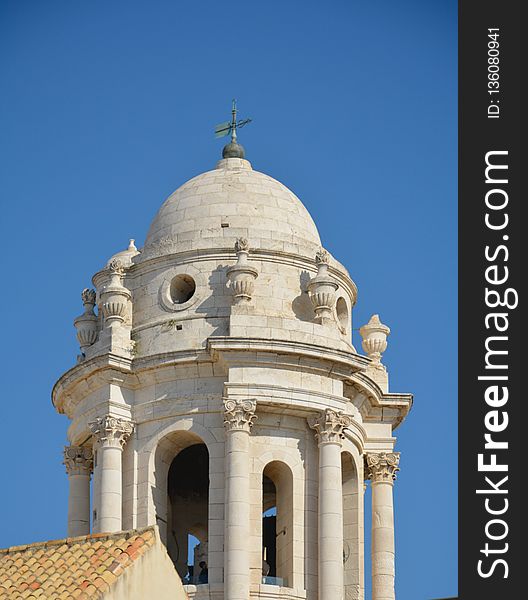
x,y
81,567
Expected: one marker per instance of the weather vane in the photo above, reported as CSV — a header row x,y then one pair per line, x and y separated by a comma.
x,y
227,127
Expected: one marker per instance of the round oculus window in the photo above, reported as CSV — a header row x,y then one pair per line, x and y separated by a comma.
x,y
182,289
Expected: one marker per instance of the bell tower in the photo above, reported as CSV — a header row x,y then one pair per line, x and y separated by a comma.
x,y
218,395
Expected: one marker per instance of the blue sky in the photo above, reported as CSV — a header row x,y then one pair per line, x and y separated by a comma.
x,y
107,107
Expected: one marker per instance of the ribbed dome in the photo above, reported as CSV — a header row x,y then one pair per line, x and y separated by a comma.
x,y
232,201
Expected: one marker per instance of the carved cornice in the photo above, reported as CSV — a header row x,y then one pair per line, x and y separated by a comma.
x,y
78,460
239,414
329,426
373,404
299,355
73,386
382,467
111,431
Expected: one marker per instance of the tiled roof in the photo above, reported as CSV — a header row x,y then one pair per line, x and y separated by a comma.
x,y
81,567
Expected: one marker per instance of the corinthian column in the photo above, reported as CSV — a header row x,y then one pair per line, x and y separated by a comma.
x,y
78,462
381,470
110,435
329,427
239,416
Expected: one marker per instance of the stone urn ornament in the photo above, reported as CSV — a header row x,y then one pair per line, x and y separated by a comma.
x,y
374,335
86,324
115,296
322,290
241,276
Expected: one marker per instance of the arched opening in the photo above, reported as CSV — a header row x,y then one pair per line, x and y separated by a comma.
x,y
188,513
277,524
352,528
342,314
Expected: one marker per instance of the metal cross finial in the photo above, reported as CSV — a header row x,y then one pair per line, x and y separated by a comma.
x,y
227,127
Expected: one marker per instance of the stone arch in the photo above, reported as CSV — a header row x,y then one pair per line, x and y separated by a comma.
x,y
285,468
187,512
155,458
352,523
280,543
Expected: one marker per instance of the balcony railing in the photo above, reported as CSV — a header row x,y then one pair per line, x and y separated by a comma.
x,y
281,581
193,580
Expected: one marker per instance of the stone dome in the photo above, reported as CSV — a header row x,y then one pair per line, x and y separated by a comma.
x,y
125,256
232,201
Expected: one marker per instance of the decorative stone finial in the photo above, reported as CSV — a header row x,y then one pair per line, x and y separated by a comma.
x,y
78,460
374,335
241,276
382,467
111,431
116,267
329,426
241,245
322,257
88,298
322,290
115,296
233,150
239,414
86,324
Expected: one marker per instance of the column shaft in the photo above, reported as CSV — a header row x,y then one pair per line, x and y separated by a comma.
x,y
329,426
111,434
78,462
330,523
236,547
382,542
79,505
238,419
108,490
381,470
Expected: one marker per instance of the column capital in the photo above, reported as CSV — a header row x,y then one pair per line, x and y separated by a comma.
x,y
382,467
329,425
78,460
239,414
111,431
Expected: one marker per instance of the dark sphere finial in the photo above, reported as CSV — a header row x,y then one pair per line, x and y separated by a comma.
x,y
233,150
